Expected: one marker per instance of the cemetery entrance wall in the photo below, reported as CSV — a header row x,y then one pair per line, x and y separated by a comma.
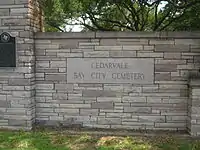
x,y
115,80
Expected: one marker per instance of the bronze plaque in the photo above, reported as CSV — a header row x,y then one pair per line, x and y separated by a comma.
x,y
7,50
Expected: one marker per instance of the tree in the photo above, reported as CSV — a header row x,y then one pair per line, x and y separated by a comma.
x,y
119,15
190,20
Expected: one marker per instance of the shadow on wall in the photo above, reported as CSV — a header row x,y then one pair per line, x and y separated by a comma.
x,y
193,75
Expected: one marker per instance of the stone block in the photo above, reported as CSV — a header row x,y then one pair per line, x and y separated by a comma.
x,y
16,82
26,59
94,43
111,87
15,122
132,89
108,48
64,87
164,42
110,42
162,77
47,70
109,121
62,70
56,118
149,47
130,41
103,111
58,64
4,12
176,118
13,88
171,48
150,88
195,48
18,11
150,54
170,125
23,94
75,106
55,77
4,104
138,109
47,46
175,100
172,55
46,105
196,92
60,96
118,115
90,85
187,41
89,112
9,2
99,93
42,64
139,124
133,48
127,127
166,68
109,99
123,54
164,61
102,105
44,86
97,54
14,22
44,110
3,97
67,111
151,118
79,119
128,99
195,110
96,126
70,55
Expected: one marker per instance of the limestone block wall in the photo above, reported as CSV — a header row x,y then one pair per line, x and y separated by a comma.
x,y
161,105
17,85
194,108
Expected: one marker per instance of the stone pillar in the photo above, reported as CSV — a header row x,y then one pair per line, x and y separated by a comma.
x,y
194,108
20,18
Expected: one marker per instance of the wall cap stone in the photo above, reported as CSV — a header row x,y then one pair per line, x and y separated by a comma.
x,y
108,35
64,35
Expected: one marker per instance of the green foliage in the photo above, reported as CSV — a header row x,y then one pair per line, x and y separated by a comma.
x,y
121,15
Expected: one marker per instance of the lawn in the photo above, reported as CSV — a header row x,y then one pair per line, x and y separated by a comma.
x,y
10,140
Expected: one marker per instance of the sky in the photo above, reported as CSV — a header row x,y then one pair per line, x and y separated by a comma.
x,y
77,28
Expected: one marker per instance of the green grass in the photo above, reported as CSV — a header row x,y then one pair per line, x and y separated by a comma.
x,y
10,140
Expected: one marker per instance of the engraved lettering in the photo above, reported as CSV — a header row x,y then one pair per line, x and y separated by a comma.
x,y
99,65
110,70
128,76
98,75
141,76
78,75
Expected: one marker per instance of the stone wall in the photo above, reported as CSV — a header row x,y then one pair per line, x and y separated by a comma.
x,y
40,89
161,105
17,85
194,108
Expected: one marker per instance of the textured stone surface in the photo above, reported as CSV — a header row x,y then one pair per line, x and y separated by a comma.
x,y
160,105
194,108
110,71
39,88
17,85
